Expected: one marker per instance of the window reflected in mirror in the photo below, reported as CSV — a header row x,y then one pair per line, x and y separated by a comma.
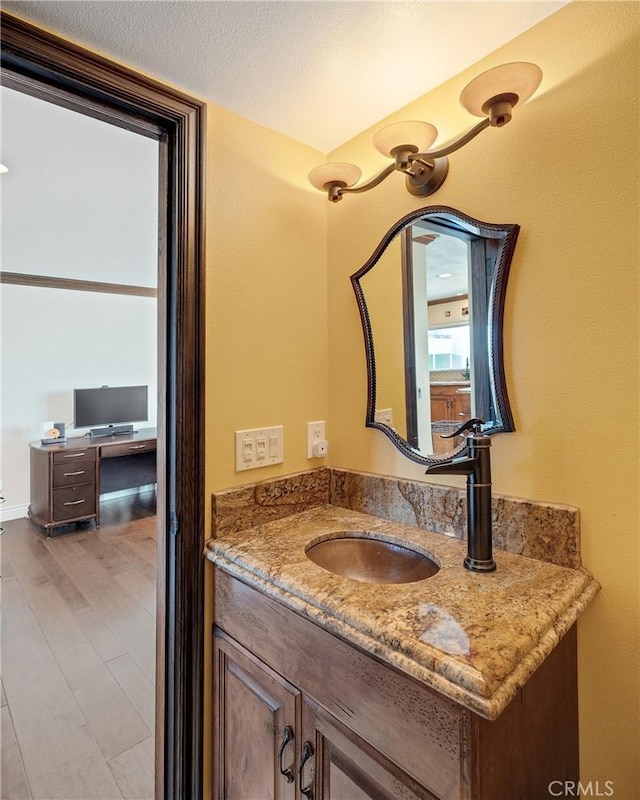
x,y
448,348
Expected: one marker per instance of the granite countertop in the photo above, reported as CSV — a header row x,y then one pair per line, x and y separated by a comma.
x,y
475,638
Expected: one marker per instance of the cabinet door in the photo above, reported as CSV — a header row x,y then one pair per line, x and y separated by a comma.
x,y
336,764
256,721
440,407
461,411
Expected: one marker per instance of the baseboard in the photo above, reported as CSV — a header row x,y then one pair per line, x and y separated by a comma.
x,y
8,513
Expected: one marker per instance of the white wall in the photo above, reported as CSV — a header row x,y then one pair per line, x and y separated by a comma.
x,y
79,201
80,198
54,341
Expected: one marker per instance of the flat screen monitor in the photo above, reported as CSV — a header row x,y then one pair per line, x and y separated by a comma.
x,y
110,405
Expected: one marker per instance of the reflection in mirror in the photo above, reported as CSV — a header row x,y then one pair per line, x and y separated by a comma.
x,y
431,300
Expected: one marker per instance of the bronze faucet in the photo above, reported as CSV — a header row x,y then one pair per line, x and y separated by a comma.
x,y
476,465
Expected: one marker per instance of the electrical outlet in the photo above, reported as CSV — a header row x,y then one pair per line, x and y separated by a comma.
x,y
317,445
384,415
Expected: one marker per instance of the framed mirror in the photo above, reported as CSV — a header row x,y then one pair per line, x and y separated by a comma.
x,y
431,301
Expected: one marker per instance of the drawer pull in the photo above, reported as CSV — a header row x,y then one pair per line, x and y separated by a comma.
x,y
137,446
69,474
307,752
287,736
73,502
74,455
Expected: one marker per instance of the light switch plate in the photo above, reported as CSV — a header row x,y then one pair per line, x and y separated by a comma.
x,y
259,447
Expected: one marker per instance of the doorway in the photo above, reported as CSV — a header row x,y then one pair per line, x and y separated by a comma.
x,y
45,66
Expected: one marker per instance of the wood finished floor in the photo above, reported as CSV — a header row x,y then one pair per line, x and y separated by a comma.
x,y
78,657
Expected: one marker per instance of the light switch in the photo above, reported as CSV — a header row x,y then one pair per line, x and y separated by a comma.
x,y
259,447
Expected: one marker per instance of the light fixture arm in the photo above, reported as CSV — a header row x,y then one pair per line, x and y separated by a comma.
x,y
433,161
375,181
430,155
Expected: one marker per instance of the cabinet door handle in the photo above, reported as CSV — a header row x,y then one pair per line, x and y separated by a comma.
x,y
307,752
137,446
287,736
69,474
73,455
73,502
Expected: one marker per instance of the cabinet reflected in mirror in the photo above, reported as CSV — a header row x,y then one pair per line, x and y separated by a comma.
x,y
431,301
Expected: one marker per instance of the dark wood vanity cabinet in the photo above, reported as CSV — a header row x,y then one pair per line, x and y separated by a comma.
x,y
301,714
340,765
271,741
256,714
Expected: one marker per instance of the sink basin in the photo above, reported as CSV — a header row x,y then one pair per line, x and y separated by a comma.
x,y
371,560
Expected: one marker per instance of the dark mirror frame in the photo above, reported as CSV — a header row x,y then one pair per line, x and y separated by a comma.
x,y
490,394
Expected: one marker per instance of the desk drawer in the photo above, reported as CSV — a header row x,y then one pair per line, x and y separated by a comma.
x,y
65,456
74,501
127,448
80,471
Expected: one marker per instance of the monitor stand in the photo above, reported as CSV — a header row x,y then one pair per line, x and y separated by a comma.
x,y
111,430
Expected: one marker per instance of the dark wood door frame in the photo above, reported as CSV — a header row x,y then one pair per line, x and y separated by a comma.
x,y
51,68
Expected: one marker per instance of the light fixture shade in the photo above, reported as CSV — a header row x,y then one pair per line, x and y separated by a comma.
x,y
520,78
337,172
419,135
3,169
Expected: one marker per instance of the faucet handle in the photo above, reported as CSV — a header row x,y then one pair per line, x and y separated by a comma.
x,y
474,425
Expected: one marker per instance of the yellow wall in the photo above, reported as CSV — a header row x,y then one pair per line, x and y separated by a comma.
x,y
566,170
266,294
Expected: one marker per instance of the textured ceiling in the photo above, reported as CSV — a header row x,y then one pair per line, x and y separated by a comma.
x,y
319,72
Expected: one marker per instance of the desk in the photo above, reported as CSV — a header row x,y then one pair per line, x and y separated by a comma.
x,y
67,479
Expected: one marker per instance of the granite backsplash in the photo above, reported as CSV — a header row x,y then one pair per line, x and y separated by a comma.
x,y
544,531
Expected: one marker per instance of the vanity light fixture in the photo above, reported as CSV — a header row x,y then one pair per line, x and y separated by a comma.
x,y
492,95
3,169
